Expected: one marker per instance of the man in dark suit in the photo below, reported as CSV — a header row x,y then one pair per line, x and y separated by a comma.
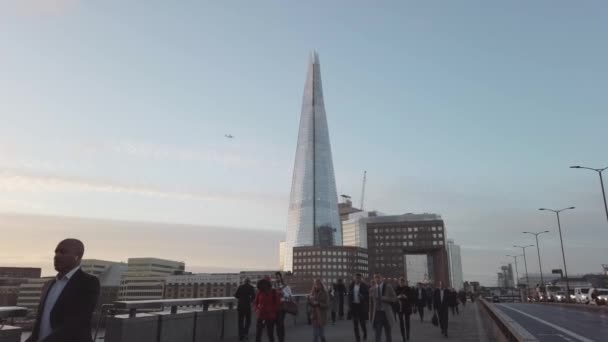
x,y
358,300
68,301
441,302
420,300
245,295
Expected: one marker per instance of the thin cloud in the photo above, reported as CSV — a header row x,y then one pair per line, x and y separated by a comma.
x,y
235,155
32,7
14,181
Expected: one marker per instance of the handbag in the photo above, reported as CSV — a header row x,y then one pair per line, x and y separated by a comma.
x,y
435,319
290,307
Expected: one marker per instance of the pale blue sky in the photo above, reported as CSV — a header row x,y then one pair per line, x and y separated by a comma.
x,y
472,109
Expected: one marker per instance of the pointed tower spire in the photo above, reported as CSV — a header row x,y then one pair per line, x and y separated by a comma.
x,y
313,218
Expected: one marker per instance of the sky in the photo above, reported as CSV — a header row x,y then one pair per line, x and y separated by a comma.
x,y
113,116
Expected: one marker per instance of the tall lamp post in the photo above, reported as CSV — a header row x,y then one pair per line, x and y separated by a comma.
x,y
523,248
540,266
599,171
516,271
559,227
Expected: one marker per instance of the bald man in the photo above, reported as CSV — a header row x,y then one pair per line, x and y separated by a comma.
x,y
68,301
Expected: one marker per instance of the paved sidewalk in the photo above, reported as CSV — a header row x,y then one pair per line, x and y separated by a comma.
x,y
466,327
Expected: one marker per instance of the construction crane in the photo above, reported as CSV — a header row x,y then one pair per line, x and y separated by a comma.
x,y
363,189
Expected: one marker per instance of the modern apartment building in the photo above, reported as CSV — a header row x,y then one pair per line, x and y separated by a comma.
x,y
145,278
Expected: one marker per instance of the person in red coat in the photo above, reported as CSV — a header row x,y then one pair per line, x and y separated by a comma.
x,y
267,304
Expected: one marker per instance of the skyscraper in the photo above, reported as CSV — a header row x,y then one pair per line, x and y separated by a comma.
x,y
455,265
313,218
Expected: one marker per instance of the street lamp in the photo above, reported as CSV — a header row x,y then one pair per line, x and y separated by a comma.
x,y
559,227
540,266
516,271
523,248
599,171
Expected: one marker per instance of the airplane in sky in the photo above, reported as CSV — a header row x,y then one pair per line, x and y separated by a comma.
x,y
229,136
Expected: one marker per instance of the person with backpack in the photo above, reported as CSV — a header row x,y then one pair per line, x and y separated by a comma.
x,y
267,304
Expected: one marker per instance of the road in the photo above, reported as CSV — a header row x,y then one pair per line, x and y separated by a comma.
x,y
556,323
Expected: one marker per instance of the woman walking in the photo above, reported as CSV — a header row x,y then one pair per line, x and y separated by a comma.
x,y
405,296
266,304
319,301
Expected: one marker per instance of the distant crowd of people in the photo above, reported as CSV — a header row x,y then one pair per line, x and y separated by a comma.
x,y
68,301
382,303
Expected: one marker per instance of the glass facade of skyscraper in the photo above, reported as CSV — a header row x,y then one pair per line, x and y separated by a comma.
x,y
313,218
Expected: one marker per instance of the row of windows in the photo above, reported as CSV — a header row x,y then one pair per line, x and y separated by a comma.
x,y
407,229
327,274
408,243
323,266
334,260
407,236
327,253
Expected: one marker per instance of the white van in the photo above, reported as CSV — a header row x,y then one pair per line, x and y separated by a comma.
x,y
581,295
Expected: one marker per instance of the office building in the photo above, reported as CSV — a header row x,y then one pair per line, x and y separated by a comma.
x,y
456,277
254,276
282,255
328,264
204,285
313,218
11,279
20,272
145,278
96,267
408,245
30,292
354,228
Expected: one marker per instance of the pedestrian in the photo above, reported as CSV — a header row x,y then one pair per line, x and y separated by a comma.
x,y
421,300
405,296
333,304
267,304
286,296
245,295
441,300
358,300
319,301
430,291
453,301
340,293
68,301
381,300
463,298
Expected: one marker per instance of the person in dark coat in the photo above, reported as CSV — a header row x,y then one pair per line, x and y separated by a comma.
x,y
441,301
245,295
358,301
430,291
463,298
68,301
420,299
453,302
405,296
340,294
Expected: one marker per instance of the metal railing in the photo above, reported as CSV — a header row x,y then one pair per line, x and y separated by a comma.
x,y
11,312
174,304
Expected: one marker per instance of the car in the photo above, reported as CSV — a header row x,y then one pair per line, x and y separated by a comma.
x,y
581,295
560,296
495,299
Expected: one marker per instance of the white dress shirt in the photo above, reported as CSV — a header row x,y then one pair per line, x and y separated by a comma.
x,y
52,296
356,299
441,294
